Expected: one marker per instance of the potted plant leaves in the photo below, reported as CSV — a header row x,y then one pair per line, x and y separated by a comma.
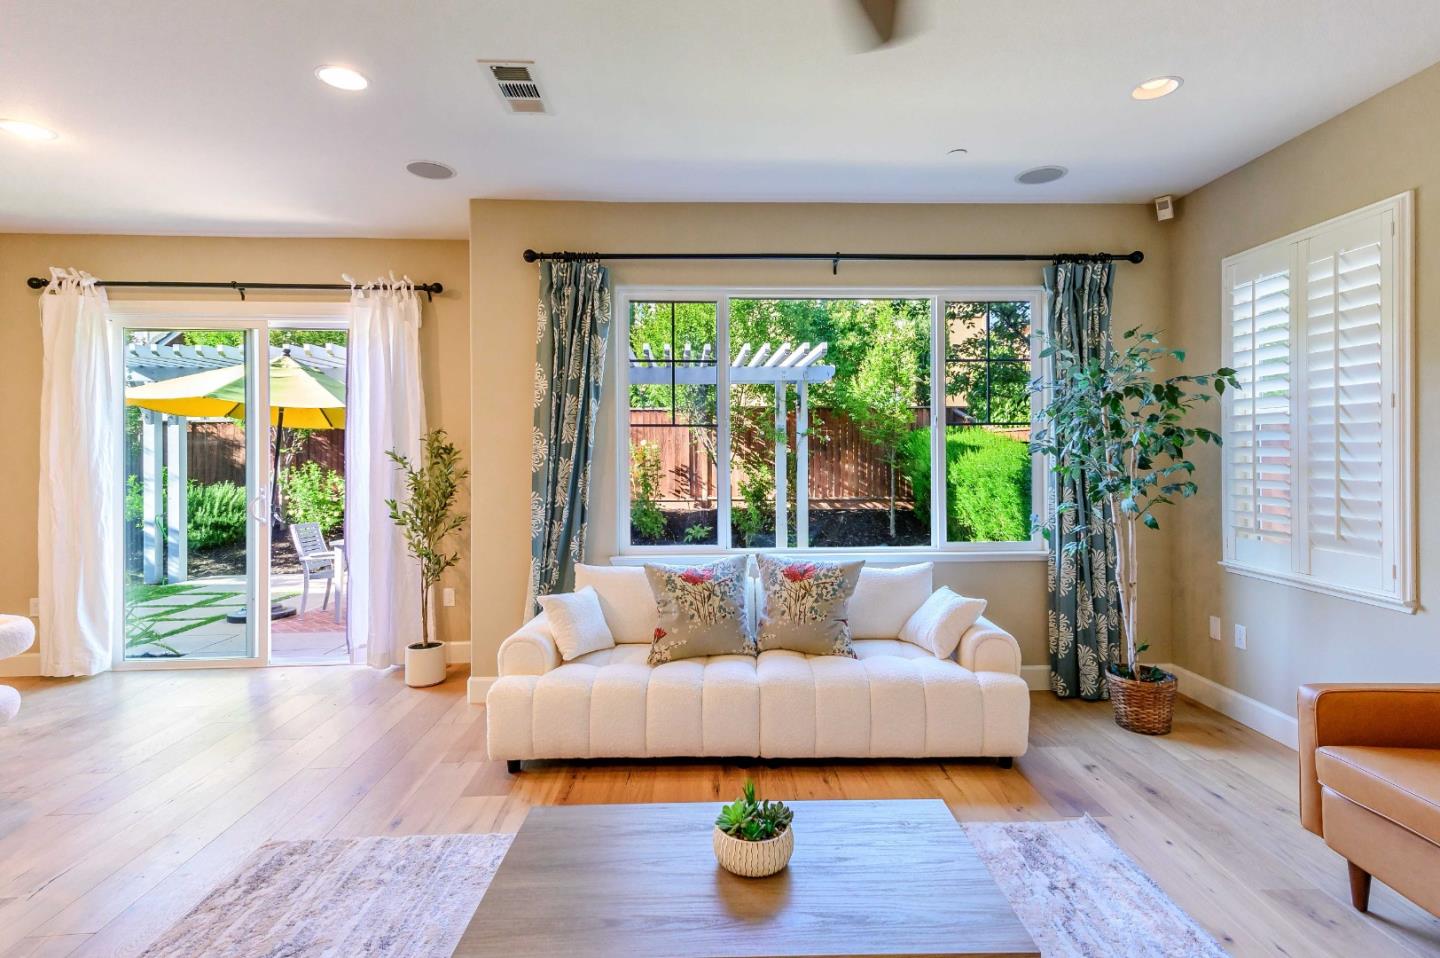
x,y
426,517
1113,423
753,838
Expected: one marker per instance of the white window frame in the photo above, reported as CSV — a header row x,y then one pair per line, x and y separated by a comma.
x,y
939,550
1397,362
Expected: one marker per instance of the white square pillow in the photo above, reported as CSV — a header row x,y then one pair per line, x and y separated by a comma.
x,y
577,622
938,624
885,599
625,598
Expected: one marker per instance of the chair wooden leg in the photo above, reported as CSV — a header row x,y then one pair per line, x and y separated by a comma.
x,y
1359,887
304,591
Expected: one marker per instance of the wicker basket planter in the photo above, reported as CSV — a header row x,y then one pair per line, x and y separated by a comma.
x,y
754,859
1144,707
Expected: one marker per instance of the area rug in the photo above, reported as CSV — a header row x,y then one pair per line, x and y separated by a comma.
x,y
356,897
1078,894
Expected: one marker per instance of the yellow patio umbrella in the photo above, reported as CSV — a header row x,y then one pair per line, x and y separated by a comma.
x,y
300,398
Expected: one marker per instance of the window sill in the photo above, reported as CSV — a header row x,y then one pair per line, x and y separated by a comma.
x,y
638,555
1322,588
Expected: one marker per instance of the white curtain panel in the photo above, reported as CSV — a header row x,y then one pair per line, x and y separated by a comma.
x,y
80,425
385,410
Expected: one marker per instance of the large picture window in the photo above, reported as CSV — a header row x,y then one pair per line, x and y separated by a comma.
x,y
785,420
1317,438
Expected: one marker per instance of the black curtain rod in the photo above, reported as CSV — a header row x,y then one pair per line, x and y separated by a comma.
x,y
834,259
35,282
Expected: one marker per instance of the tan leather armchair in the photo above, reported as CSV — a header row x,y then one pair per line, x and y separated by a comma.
x,y
1370,783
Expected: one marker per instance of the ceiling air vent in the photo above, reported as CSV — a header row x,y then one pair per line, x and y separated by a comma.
x,y
515,82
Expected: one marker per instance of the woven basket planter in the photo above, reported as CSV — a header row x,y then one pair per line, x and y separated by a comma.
x,y
1144,707
754,859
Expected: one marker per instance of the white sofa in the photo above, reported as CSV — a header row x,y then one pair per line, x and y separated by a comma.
x,y
896,700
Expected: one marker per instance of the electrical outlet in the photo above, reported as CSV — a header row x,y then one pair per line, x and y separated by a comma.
x,y
1239,636
1215,627
35,607
447,597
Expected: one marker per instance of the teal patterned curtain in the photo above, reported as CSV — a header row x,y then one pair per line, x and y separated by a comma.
x,y
1084,619
572,324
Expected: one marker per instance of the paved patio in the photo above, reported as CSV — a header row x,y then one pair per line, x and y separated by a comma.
x,y
187,620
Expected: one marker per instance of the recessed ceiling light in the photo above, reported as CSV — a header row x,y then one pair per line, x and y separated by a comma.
x,y
341,78
27,131
1041,174
1155,88
430,170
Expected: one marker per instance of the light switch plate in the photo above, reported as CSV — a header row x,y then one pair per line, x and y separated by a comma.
x,y
1239,636
1215,627
448,597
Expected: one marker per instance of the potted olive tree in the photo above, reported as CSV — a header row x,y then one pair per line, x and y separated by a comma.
x,y
1114,422
426,518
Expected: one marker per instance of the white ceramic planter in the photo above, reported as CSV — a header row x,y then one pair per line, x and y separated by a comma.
x,y
754,859
424,667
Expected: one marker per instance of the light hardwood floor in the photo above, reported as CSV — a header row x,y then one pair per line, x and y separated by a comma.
x,y
125,797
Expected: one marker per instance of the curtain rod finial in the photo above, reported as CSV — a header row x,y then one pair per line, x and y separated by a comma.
x,y
531,256
1136,257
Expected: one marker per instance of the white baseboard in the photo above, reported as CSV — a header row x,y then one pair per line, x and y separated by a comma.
x,y
1265,719
25,664
477,687
457,653
1036,676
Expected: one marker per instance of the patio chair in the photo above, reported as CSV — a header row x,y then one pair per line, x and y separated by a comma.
x,y
316,559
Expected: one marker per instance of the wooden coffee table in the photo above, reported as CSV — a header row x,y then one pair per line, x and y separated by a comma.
x,y
640,881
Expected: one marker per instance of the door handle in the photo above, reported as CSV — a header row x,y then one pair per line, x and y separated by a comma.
x,y
260,506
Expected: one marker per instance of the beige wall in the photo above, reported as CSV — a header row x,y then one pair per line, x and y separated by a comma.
x,y
502,351
444,343
1384,146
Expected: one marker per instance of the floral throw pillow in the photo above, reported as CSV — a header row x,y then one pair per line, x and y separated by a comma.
x,y
701,610
804,605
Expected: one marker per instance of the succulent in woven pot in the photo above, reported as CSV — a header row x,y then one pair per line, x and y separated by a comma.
x,y
753,839
1115,426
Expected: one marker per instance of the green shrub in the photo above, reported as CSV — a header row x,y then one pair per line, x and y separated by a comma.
x,y
314,494
646,519
217,514
757,488
988,483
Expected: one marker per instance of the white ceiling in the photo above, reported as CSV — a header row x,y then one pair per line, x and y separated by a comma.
x,y
179,116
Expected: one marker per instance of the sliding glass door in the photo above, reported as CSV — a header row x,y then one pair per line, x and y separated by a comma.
x,y
196,531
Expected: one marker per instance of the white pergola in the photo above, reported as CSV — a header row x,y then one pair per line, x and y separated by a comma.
x,y
778,368
164,449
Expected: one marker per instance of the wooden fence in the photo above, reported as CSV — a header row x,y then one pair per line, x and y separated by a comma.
x,y
846,471
217,451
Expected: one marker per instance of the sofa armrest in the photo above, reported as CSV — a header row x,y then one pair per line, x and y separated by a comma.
x,y
985,647
530,651
1385,716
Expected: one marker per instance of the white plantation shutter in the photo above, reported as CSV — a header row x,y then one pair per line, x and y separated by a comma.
x,y
1316,440
1347,393
1260,426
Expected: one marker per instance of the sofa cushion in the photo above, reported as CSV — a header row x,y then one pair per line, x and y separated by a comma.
x,y
940,622
625,598
885,599
577,623
1401,784
804,605
701,610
